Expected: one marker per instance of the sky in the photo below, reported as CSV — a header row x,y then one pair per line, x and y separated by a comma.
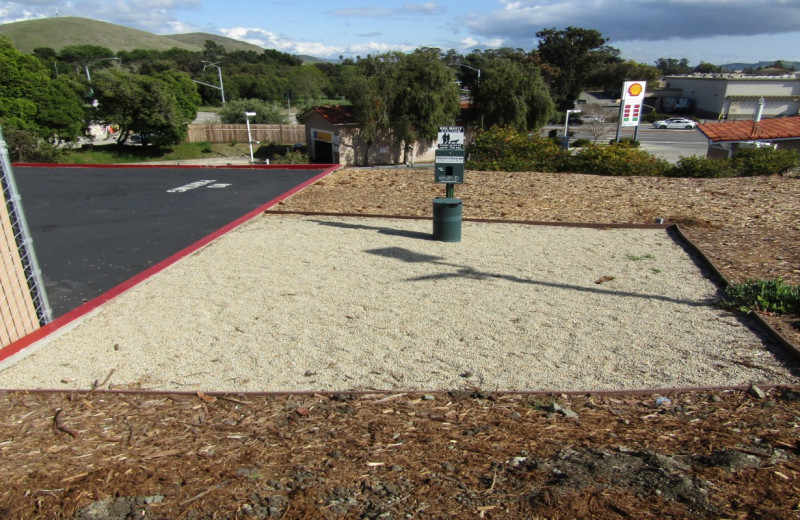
x,y
715,31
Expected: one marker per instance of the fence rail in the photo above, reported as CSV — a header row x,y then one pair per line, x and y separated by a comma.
x,y
266,134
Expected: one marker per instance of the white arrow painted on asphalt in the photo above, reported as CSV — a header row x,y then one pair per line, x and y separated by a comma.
x,y
191,186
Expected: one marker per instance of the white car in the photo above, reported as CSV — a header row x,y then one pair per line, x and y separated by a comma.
x,y
675,122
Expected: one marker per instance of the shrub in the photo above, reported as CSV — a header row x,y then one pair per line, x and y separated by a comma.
x,y
702,167
266,112
764,295
750,162
293,157
505,149
625,141
578,143
652,117
25,146
616,160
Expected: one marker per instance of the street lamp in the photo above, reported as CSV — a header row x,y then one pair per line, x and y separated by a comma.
x,y
86,67
566,122
221,87
89,78
473,68
247,116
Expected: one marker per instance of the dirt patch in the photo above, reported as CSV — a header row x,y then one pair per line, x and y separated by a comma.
x,y
465,454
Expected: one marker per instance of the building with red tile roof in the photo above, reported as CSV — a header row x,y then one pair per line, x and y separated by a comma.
x,y
725,138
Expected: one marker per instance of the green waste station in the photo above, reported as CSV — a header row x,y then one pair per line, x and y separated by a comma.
x,y
448,170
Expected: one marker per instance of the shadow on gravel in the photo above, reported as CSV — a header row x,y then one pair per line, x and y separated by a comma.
x,y
463,271
384,231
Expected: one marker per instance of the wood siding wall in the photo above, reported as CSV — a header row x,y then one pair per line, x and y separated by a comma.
x,y
17,310
264,134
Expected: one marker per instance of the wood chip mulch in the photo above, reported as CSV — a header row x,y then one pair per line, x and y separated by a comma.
x,y
462,454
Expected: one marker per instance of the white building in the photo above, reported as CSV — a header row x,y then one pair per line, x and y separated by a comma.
x,y
735,96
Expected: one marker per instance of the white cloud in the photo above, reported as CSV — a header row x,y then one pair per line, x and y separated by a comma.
x,y
374,47
363,12
469,42
386,12
427,8
271,40
519,20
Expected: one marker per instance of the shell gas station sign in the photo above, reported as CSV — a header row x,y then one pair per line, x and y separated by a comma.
x,y
632,102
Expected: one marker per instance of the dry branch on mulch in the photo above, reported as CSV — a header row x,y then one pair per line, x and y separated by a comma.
x,y
458,454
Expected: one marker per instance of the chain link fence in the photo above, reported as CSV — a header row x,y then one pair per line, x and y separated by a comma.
x,y
23,302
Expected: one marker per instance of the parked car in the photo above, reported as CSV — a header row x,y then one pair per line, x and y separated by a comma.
x,y
575,119
675,122
588,119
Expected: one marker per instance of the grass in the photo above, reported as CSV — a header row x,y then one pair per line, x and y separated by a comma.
x,y
637,258
113,154
763,295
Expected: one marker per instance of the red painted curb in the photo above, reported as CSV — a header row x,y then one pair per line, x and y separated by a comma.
x,y
26,341
196,166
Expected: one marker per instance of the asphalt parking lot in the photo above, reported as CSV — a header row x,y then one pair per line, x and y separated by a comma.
x,y
94,228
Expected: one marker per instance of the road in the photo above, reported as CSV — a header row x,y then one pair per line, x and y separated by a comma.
x,y
667,144
94,228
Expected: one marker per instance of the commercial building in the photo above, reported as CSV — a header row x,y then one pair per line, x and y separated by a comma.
x,y
732,97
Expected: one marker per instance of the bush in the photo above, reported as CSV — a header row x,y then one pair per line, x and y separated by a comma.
x,y
293,157
282,153
652,117
750,162
505,149
24,146
266,112
578,143
763,295
616,160
625,141
702,167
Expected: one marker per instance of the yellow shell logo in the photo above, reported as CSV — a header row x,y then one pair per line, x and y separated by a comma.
x,y
635,89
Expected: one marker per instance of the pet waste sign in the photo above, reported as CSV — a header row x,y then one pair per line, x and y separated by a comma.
x,y
450,153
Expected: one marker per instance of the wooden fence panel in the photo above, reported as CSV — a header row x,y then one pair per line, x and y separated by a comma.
x,y
17,311
264,134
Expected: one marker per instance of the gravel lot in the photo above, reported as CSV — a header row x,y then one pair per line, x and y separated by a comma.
x,y
292,303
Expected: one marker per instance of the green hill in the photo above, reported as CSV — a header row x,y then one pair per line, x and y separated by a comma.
x,y
58,33
197,40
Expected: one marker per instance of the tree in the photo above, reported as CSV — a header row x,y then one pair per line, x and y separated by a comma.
x,y
371,86
511,94
80,56
571,54
143,105
30,100
610,77
307,82
427,97
707,68
672,66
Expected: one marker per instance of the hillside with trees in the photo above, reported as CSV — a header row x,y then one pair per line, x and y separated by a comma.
x,y
151,86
